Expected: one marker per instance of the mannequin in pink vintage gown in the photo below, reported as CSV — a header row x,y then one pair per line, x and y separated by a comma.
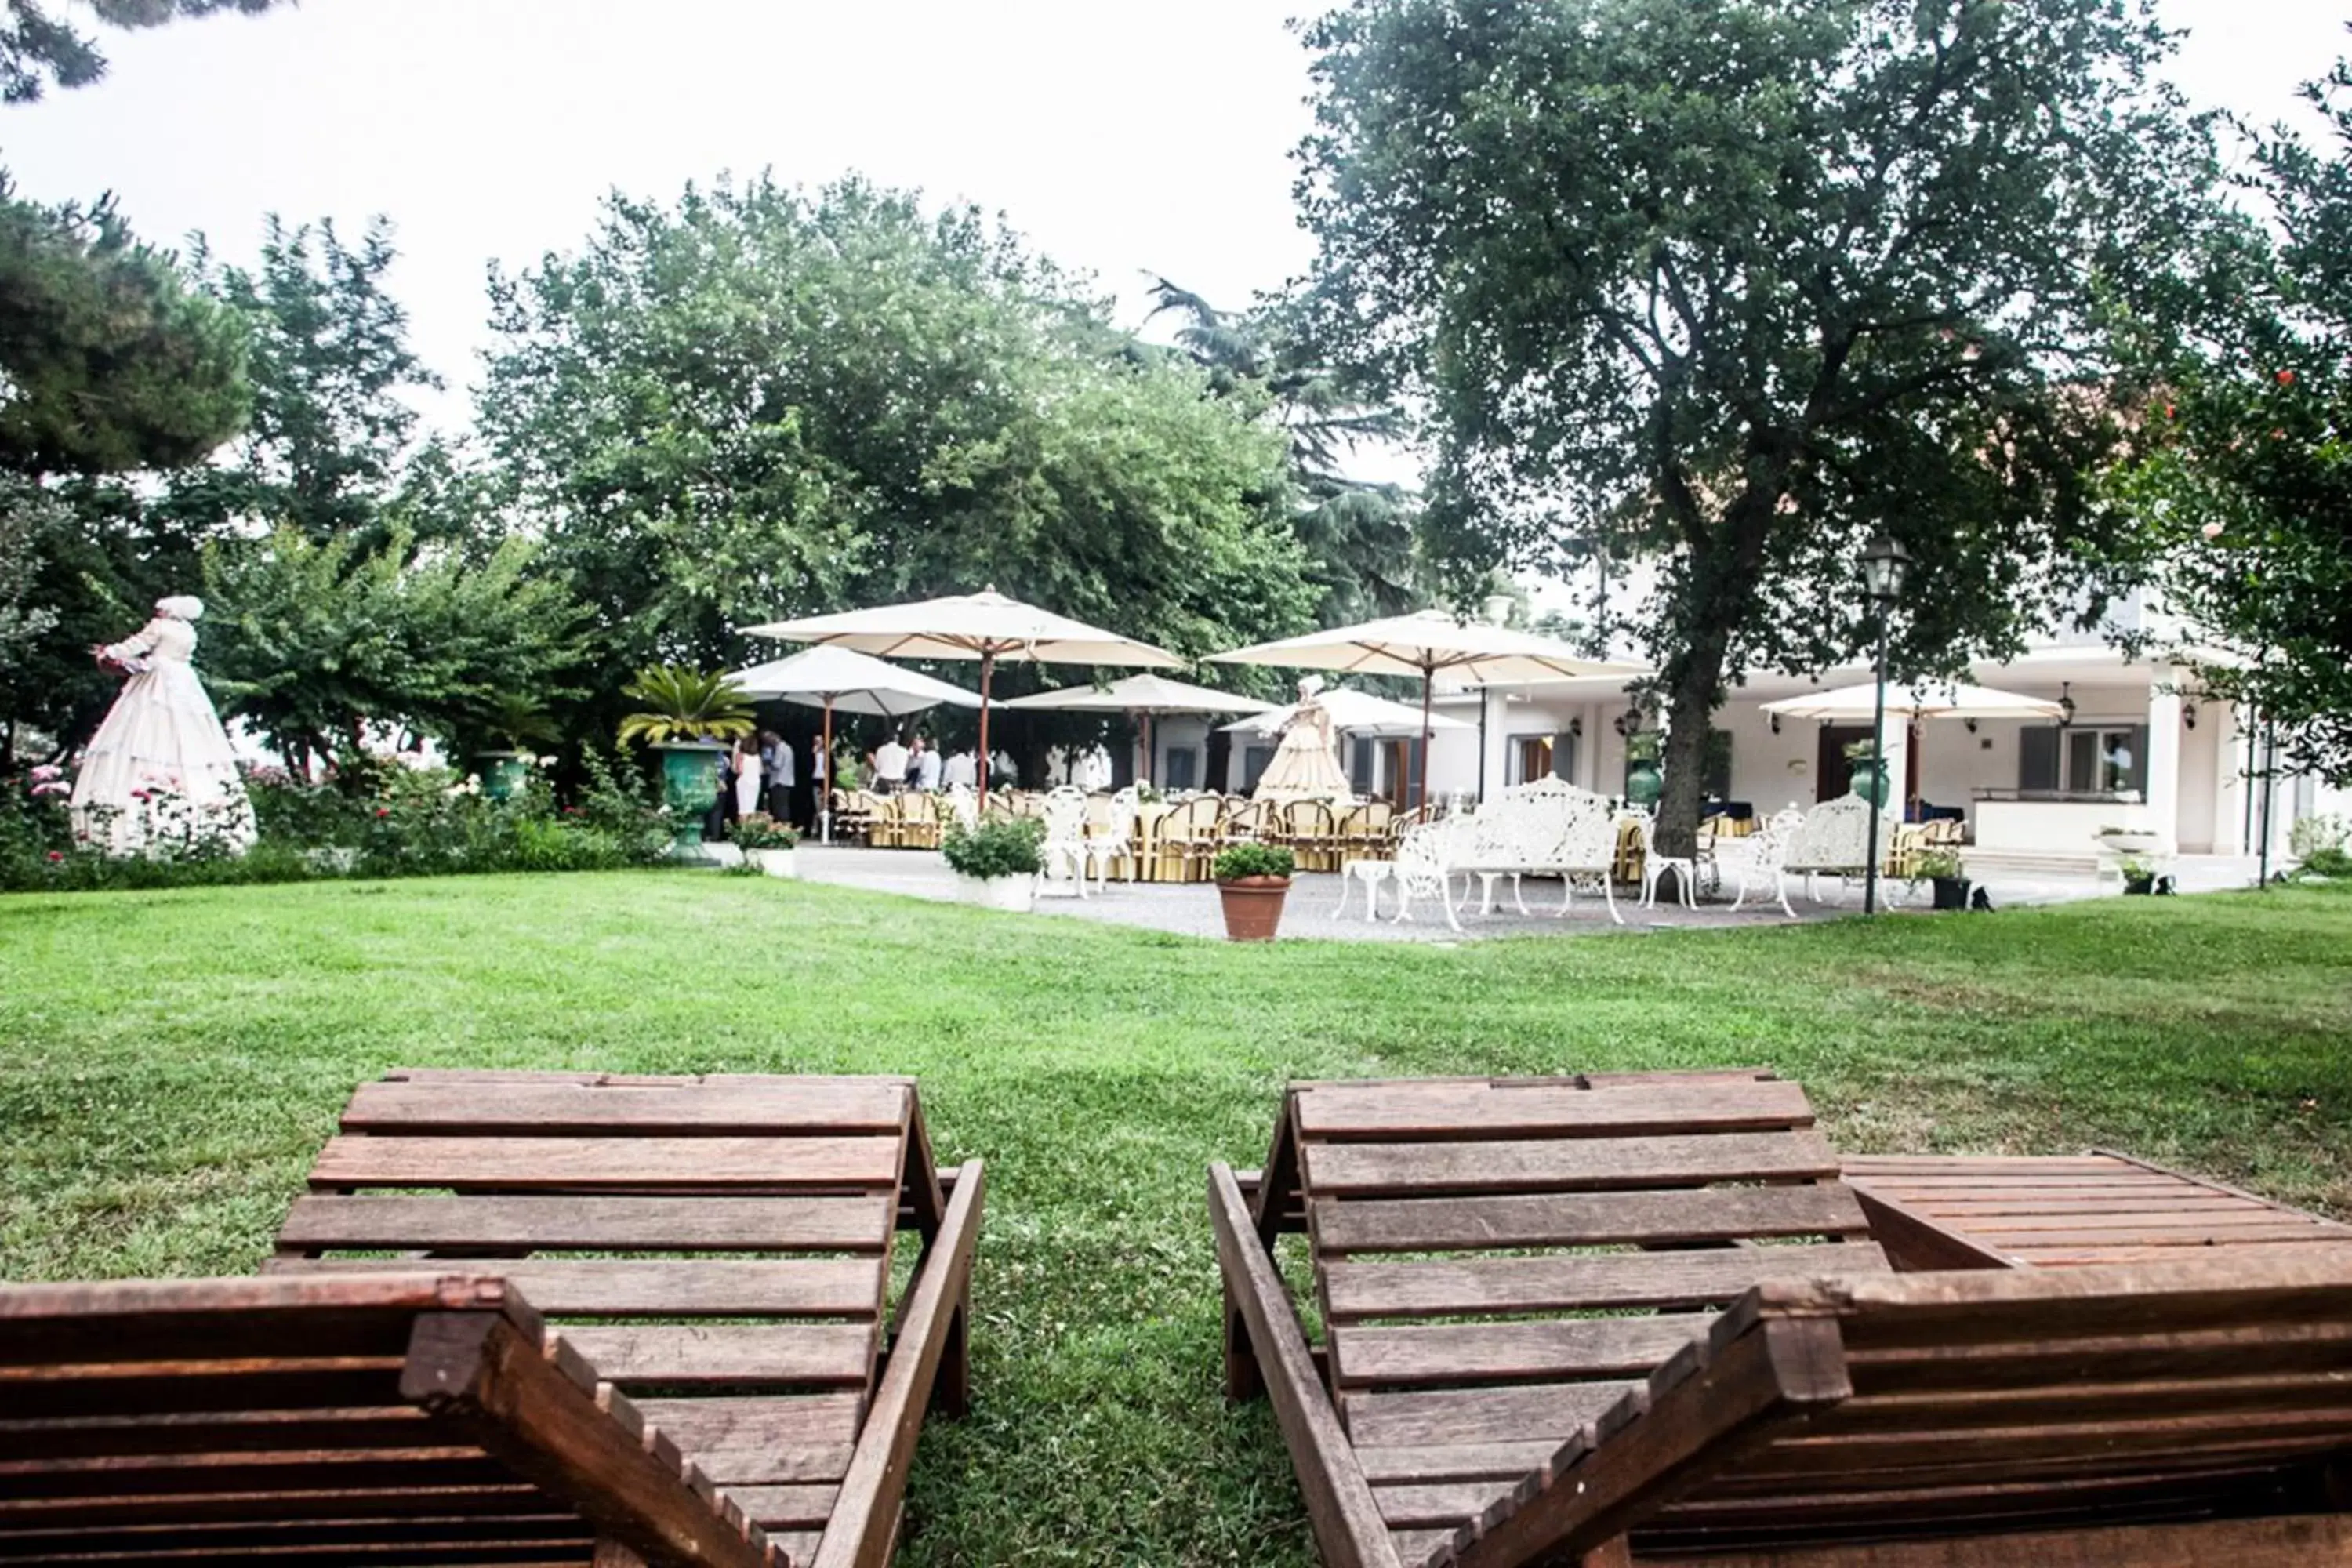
x,y
160,773
1303,767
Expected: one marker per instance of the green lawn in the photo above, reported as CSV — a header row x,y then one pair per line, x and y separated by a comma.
x,y
169,1063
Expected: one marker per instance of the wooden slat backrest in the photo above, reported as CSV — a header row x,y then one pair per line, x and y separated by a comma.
x,y
771,1203
1574,1239
1977,1407
408,1417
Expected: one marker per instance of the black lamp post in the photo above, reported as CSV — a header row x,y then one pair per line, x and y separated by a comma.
x,y
1884,564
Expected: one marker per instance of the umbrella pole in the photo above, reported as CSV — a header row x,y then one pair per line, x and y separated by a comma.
x,y
825,774
1150,758
987,669
1423,793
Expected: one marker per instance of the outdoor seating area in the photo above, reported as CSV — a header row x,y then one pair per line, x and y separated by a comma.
x,y
1644,1318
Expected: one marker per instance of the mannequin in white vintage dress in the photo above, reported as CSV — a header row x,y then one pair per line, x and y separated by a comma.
x,y
160,772
1303,767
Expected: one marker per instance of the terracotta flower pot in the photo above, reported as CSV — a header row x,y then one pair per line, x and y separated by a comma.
x,y
1253,906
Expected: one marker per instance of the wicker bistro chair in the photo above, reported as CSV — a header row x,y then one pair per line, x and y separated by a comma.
x,y
1249,822
1314,834
853,815
1188,834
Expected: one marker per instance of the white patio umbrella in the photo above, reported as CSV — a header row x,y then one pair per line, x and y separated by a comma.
x,y
830,677
1427,644
986,625
1147,696
1356,712
1954,700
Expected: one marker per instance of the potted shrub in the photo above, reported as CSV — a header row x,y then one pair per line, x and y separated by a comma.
x,y
766,843
687,714
1869,777
2129,841
997,862
2139,877
1942,868
1644,783
522,727
1252,882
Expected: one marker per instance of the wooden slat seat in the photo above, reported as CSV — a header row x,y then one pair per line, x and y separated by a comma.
x,y
1546,1360
718,1249
2010,1212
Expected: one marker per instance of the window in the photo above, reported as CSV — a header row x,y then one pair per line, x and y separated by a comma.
x,y
1254,761
1360,765
1184,769
2088,759
1542,756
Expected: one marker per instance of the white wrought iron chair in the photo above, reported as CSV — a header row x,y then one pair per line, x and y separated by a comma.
x,y
1111,833
1064,848
1654,866
1756,858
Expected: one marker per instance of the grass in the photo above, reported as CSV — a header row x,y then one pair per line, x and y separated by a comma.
x,y
170,1062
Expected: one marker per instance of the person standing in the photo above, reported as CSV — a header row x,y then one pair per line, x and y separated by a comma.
x,y
961,770
927,767
890,766
747,762
776,767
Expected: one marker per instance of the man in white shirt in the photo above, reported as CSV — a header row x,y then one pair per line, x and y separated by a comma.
x,y
960,770
890,766
927,767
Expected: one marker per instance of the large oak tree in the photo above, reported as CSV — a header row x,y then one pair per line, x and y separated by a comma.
x,y
1732,285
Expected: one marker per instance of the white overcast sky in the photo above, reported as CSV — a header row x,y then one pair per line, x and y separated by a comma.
x,y
1122,138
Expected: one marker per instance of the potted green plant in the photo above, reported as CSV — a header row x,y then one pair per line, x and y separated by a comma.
x,y
1942,868
2139,876
1869,776
2128,840
1644,783
1253,879
686,713
522,727
997,863
766,843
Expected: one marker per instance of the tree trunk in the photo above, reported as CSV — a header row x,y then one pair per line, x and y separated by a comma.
x,y
1698,688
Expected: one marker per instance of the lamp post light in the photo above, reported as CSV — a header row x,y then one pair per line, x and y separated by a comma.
x,y
1884,565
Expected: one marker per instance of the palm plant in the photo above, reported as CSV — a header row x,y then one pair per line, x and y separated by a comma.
x,y
682,704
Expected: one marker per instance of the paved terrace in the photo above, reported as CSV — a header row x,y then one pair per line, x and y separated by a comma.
x,y
1191,909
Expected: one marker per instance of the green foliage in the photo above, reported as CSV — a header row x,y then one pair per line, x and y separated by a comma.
x,y
756,402
1644,745
368,818
37,49
758,830
329,361
2333,862
995,848
27,513
307,639
2310,834
1731,288
1238,860
114,362
2244,486
1940,864
682,704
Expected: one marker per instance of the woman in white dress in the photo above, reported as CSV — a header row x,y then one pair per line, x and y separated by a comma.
x,y
1303,767
160,773
748,773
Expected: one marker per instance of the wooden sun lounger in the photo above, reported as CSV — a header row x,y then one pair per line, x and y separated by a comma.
x,y
718,1249
1648,1326
2014,1212
401,1418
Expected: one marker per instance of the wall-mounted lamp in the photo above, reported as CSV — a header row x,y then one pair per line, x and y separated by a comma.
x,y
1628,721
2189,715
2065,703
1776,723
1971,724
1576,726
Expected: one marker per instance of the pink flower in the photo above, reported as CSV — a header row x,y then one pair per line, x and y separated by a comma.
x,y
56,856
52,786
49,771
141,795
2211,530
2286,378
383,811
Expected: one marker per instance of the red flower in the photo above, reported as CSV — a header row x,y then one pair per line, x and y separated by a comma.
x,y
56,856
383,811
2286,378
2168,411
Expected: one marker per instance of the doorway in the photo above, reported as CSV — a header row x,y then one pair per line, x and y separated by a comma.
x,y
1833,776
